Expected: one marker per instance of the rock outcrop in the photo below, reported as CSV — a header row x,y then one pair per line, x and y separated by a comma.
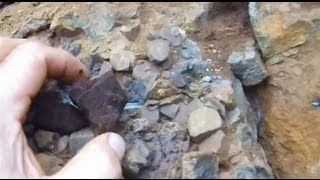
x,y
288,35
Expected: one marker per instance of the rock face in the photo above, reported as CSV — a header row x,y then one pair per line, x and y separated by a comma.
x,y
290,131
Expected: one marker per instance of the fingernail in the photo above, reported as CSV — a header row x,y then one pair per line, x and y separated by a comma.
x,y
117,143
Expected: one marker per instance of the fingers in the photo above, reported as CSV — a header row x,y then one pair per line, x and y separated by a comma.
x,y
7,45
25,69
100,158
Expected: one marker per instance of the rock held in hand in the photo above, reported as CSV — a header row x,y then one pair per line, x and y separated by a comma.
x,y
102,99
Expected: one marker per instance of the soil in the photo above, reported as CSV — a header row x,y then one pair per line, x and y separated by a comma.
x,y
226,30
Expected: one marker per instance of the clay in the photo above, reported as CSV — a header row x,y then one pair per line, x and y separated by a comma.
x,y
101,99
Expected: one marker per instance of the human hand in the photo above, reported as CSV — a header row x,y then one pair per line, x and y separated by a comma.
x,y
24,66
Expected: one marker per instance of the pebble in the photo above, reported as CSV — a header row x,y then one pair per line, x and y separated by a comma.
x,y
198,165
158,50
47,140
173,34
169,110
151,115
163,89
131,30
212,143
203,122
137,156
122,61
147,73
78,139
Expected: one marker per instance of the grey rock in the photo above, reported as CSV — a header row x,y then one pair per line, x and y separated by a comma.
x,y
147,73
274,60
122,60
172,99
245,135
78,139
173,34
248,67
189,50
212,143
185,72
169,110
247,172
223,91
183,113
62,144
173,138
233,116
206,79
151,115
158,50
140,125
203,122
47,140
197,165
137,157
105,67
73,47
162,89
137,92
131,30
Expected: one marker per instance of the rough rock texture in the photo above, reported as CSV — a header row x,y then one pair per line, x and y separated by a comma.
x,y
197,165
102,99
248,67
291,127
199,36
203,122
53,110
78,139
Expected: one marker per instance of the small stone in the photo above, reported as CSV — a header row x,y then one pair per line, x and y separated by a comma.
x,y
248,67
50,164
67,25
203,122
140,125
197,165
234,147
151,115
189,50
62,144
137,157
245,135
169,110
173,138
233,115
249,172
47,140
105,67
158,50
171,99
162,89
74,48
147,73
78,139
212,143
165,75
274,60
122,61
183,113
206,79
136,92
223,91
132,29
173,34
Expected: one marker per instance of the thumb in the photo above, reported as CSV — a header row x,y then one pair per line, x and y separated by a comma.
x,y
98,159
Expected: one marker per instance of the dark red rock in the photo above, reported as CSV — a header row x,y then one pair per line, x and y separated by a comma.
x,y
102,100
98,102
50,112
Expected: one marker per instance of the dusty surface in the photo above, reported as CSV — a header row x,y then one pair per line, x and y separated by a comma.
x,y
195,72
227,29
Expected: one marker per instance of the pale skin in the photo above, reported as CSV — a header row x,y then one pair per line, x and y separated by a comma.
x,y
24,67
